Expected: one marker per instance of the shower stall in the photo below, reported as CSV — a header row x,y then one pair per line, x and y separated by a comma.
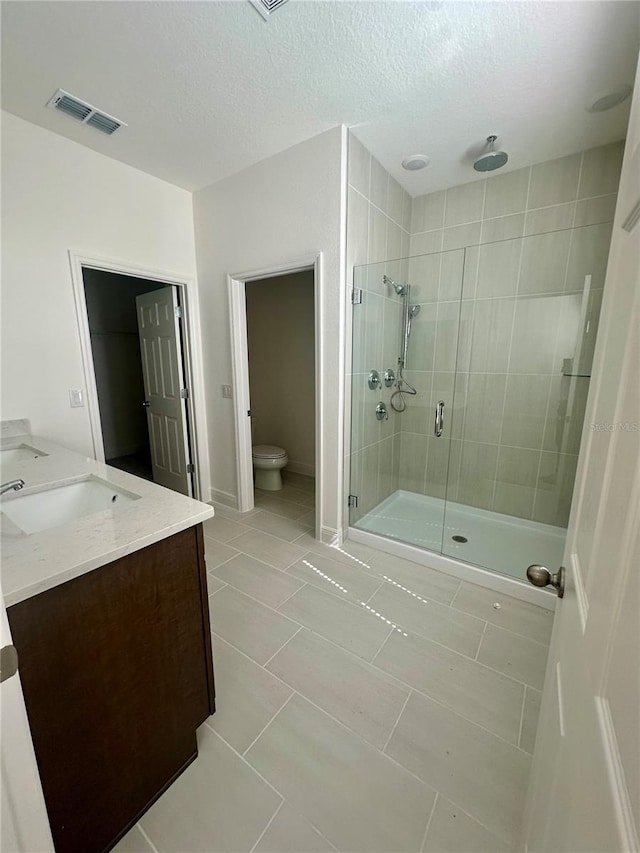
x,y
470,372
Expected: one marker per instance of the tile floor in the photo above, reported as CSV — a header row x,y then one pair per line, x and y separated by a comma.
x,y
364,703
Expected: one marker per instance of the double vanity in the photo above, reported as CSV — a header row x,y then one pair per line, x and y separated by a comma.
x,y
104,581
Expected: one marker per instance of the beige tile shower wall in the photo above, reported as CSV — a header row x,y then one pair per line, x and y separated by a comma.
x,y
517,418
378,230
281,339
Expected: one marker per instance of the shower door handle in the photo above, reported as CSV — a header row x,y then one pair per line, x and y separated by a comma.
x,y
439,421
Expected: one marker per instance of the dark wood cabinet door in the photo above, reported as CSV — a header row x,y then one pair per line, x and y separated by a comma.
x,y
117,674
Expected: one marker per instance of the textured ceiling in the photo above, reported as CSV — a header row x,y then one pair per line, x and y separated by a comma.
x,y
208,88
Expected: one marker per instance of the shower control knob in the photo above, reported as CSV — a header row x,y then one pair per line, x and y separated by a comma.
x,y
374,380
540,576
381,412
389,378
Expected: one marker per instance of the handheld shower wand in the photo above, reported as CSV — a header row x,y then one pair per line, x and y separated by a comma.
x,y
398,402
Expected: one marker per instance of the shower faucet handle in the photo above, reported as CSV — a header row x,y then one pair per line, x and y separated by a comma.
x,y
389,377
381,412
374,380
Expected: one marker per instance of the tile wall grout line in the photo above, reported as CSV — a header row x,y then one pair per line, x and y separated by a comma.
x,y
395,725
271,819
428,826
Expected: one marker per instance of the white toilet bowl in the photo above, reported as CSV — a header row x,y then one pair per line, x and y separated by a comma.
x,y
268,461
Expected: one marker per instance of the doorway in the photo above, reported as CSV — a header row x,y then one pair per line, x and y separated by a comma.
x,y
238,285
136,339
281,363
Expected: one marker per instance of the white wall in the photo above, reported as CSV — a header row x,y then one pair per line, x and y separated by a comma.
x,y
285,208
281,340
56,196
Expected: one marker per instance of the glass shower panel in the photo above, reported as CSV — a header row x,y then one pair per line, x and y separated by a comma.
x,y
529,318
405,329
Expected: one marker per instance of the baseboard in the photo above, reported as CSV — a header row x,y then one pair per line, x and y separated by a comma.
x,y
301,468
224,498
329,536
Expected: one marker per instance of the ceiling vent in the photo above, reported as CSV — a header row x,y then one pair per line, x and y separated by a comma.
x,y
84,112
267,7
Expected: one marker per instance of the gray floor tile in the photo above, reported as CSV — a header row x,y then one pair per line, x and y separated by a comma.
x,y
216,553
352,691
472,690
430,619
453,831
349,553
289,832
332,576
426,582
348,789
487,776
518,616
214,583
276,525
133,842
269,549
217,804
346,624
256,630
530,717
247,697
517,656
259,580
280,506
222,529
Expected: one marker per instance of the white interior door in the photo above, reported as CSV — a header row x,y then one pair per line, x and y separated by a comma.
x,y
163,375
585,785
24,825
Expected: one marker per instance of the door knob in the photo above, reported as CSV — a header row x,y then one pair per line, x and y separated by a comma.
x,y
539,576
146,404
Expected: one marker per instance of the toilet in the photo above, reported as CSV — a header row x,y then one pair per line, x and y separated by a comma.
x,y
268,461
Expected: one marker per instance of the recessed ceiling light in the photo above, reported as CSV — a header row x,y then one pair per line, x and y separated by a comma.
x,y
415,162
608,100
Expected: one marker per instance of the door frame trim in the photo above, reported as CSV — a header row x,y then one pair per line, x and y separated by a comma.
x,y
240,372
192,348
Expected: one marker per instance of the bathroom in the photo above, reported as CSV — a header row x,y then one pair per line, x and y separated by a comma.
x,y
346,718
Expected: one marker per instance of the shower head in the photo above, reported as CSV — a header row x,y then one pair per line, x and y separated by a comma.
x,y
414,310
491,159
400,289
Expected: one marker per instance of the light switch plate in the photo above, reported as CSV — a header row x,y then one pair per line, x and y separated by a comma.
x,y
76,398
227,391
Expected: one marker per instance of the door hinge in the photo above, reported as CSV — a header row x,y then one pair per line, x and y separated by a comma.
x,y
178,312
184,393
352,501
356,296
191,468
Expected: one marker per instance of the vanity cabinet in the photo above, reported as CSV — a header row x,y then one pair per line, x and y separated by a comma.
x,y
117,674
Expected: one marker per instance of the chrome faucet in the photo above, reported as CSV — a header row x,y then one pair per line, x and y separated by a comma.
x,y
11,486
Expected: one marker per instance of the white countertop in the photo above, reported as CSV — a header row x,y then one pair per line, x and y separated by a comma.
x,y
34,563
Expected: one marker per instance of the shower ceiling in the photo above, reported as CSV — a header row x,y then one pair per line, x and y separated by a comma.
x,y
208,88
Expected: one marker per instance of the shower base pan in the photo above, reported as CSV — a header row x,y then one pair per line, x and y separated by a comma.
x,y
497,542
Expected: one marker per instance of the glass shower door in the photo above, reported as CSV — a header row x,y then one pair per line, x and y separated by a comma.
x,y
405,342
529,317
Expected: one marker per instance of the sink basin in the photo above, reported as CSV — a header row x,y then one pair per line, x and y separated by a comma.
x,y
59,505
21,453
